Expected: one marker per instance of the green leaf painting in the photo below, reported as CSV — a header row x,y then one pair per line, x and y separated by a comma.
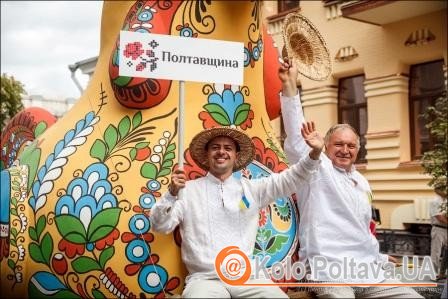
x,y
121,137
111,137
218,113
241,114
31,157
71,229
98,150
40,226
36,253
47,247
124,126
84,264
102,224
276,243
32,233
137,120
148,171
40,128
105,255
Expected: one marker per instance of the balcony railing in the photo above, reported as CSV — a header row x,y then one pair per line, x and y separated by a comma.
x,y
401,242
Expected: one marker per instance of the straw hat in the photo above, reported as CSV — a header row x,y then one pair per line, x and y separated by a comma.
x,y
306,46
199,142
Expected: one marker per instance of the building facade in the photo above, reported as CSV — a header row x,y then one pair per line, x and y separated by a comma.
x,y
389,61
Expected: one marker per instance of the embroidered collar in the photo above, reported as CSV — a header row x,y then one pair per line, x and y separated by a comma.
x,y
340,169
349,174
215,180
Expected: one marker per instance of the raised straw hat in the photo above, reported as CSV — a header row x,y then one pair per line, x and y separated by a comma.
x,y
199,143
306,46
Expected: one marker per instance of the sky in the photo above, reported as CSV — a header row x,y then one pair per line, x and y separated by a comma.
x,y
39,39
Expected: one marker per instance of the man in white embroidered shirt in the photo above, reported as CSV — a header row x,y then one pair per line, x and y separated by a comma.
x,y
334,207
209,212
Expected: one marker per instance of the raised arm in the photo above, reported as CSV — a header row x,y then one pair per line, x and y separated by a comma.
x,y
292,114
268,189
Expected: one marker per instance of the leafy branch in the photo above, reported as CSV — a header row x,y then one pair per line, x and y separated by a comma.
x,y
434,161
116,138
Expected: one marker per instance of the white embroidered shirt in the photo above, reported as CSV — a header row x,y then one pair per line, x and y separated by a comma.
x,y
210,217
335,211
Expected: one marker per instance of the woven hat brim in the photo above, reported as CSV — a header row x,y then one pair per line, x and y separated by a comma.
x,y
199,153
305,45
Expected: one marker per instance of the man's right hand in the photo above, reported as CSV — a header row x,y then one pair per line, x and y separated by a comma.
x,y
178,180
313,139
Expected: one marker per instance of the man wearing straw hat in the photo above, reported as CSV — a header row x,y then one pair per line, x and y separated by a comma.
x,y
218,210
334,207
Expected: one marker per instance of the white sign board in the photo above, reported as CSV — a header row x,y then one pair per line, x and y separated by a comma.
x,y
180,58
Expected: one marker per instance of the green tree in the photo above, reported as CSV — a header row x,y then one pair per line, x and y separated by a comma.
x,y
11,98
435,161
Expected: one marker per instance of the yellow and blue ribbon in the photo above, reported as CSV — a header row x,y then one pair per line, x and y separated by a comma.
x,y
244,203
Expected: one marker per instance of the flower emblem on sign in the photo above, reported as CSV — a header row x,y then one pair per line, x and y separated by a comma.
x,y
140,57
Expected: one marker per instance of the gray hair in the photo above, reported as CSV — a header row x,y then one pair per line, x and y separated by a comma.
x,y
341,127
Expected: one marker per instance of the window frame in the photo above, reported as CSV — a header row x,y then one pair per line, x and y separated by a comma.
x,y
417,98
283,7
357,107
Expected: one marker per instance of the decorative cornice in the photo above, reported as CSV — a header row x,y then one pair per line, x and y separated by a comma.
x,y
352,7
419,37
330,2
320,96
410,164
314,89
280,16
346,54
386,85
333,10
388,76
383,134
275,27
